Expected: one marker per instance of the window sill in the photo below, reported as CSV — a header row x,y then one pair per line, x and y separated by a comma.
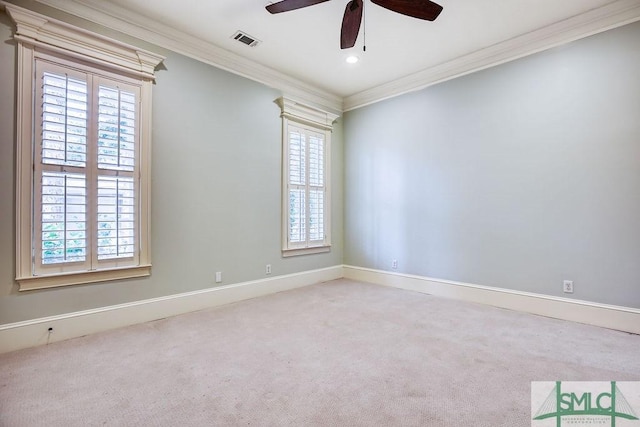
x,y
305,251
78,278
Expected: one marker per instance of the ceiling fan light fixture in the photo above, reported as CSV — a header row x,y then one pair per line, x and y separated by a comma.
x,y
352,59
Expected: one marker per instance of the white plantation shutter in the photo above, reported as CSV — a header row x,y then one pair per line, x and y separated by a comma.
x,y
116,129
64,120
117,210
64,218
116,217
306,188
86,216
316,188
297,216
61,237
62,228
297,184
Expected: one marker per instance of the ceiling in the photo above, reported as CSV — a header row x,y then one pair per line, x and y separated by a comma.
x,y
304,44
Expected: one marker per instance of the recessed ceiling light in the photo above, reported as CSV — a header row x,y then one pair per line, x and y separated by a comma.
x,y
352,59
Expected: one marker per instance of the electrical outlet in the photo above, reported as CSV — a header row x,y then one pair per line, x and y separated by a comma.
x,y
394,264
567,286
268,269
218,276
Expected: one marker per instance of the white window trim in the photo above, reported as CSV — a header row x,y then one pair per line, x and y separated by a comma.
x,y
317,120
38,33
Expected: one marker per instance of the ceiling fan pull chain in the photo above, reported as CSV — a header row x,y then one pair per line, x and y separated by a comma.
x,y
364,30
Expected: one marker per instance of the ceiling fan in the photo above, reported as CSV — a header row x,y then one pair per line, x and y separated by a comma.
x,y
421,9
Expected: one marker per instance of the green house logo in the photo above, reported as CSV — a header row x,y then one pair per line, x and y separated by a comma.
x,y
584,403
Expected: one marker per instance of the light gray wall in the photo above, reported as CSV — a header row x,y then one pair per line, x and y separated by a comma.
x,y
215,192
517,177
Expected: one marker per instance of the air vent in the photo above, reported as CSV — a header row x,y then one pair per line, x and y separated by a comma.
x,y
245,38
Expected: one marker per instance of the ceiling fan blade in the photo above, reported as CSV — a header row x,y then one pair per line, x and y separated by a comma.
x,y
421,9
351,24
287,5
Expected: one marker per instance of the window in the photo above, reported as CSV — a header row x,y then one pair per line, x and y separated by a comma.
x,y
85,164
306,221
83,155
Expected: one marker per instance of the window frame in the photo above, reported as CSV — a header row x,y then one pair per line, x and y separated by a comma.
x,y
39,36
314,121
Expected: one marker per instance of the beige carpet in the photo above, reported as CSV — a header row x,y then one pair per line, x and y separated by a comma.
x,y
340,353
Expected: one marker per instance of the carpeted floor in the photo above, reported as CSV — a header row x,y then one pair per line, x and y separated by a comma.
x,y
341,353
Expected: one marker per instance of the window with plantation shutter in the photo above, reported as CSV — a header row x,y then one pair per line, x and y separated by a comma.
x,y
306,191
306,187
86,167
83,175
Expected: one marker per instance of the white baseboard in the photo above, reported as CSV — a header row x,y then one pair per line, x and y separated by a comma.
x,y
608,316
31,333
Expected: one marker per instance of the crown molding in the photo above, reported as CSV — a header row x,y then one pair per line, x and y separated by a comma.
x,y
141,27
612,15
597,20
